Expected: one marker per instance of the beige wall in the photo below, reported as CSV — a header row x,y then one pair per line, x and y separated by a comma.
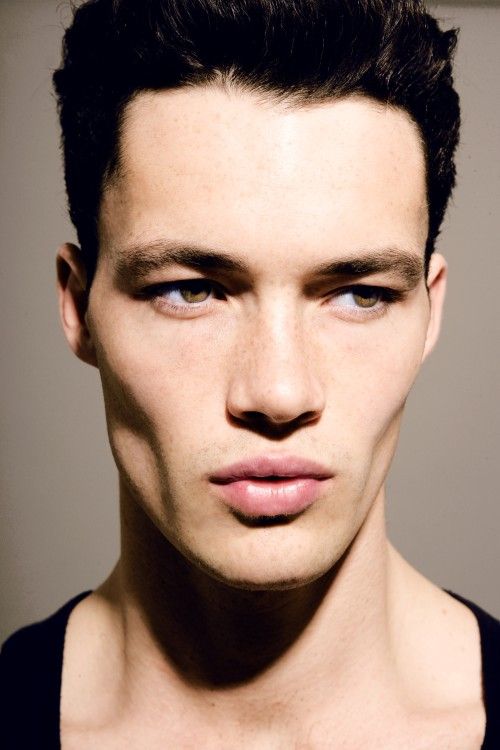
x,y
59,530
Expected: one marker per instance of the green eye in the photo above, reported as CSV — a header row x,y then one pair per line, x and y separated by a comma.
x,y
195,291
363,299
183,294
368,297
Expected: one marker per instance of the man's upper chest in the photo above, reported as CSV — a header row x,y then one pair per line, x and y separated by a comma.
x,y
460,730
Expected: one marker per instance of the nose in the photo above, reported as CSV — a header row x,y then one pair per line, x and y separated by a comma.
x,y
274,380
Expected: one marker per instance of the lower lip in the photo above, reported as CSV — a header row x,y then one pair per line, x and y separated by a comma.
x,y
256,498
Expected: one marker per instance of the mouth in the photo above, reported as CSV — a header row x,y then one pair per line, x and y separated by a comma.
x,y
268,490
265,522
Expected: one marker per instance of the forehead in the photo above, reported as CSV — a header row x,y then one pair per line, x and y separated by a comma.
x,y
204,163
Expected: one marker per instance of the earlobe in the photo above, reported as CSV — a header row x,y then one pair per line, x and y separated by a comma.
x,y
73,302
436,285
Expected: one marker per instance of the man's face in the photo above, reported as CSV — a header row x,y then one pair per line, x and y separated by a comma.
x,y
278,355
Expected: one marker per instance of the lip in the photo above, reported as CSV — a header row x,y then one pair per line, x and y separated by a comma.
x,y
271,466
270,486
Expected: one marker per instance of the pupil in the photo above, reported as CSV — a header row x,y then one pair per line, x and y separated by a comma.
x,y
365,299
195,292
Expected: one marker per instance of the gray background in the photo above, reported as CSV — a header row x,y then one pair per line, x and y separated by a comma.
x,y
59,510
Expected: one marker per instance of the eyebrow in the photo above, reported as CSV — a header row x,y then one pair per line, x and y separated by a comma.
x,y
140,260
409,266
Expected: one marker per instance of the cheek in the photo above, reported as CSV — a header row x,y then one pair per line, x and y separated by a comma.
x,y
371,371
160,393
161,383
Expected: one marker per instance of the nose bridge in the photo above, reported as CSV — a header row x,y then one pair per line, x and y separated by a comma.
x,y
275,373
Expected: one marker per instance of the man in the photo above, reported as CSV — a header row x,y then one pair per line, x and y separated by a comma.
x,y
257,189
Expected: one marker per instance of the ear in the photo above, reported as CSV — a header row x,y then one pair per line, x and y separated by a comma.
x,y
73,302
436,286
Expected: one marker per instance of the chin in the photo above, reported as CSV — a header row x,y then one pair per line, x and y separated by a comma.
x,y
264,582
254,572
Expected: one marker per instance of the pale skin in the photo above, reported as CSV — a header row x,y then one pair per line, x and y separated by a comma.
x,y
212,633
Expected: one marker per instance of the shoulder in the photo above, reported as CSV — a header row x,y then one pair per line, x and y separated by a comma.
x,y
489,622
30,677
489,630
33,643
442,659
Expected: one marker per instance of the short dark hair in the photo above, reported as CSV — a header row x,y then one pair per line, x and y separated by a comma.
x,y
302,51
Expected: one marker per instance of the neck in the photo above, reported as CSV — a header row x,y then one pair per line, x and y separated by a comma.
x,y
217,640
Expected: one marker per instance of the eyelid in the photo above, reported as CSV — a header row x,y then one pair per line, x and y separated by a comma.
x,y
387,293
183,309
384,299
152,290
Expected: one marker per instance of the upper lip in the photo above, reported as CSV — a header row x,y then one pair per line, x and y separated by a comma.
x,y
271,466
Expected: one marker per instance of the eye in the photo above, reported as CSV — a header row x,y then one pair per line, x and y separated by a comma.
x,y
365,297
189,293
193,291
363,301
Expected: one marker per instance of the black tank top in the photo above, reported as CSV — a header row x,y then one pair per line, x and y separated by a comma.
x,y
31,667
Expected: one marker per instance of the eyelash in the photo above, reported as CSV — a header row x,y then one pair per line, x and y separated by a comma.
x,y
385,298
155,293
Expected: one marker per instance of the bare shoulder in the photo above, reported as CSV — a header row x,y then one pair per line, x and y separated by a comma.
x,y
439,645
92,650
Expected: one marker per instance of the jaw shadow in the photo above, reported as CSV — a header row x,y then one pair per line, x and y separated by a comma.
x,y
218,636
